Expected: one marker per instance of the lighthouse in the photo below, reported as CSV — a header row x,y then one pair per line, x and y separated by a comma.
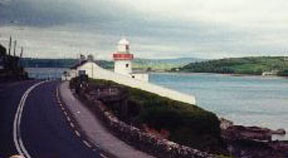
x,y
123,58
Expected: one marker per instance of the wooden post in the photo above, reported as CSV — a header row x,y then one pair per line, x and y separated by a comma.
x,y
21,54
15,44
10,45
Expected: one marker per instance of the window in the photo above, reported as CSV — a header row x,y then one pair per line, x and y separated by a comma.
x,y
81,72
127,65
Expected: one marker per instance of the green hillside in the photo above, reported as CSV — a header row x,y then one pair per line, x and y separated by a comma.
x,y
246,65
162,64
59,63
151,64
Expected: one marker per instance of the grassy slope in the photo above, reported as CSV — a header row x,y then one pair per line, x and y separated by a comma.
x,y
187,124
247,65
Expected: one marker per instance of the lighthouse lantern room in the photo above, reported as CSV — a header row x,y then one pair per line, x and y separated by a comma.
x,y
123,58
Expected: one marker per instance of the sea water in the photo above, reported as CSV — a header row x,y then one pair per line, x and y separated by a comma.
x,y
246,100
45,73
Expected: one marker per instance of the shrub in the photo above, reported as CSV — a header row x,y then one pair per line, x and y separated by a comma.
x,y
187,124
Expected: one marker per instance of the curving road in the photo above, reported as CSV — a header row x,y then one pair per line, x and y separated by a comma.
x,y
32,122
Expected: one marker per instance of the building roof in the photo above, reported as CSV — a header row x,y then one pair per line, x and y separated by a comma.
x,y
79,63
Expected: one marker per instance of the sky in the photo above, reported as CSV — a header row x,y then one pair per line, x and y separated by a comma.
x,y
155,28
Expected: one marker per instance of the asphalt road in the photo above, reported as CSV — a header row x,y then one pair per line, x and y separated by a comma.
x,y
44,130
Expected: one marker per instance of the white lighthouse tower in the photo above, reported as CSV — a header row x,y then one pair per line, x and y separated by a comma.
x,y
123,58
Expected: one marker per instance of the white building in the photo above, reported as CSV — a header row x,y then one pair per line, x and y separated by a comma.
x,y
123,58
91,69
123,74
123,61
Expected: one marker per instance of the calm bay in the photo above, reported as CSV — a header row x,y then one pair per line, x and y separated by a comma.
x,y
246,100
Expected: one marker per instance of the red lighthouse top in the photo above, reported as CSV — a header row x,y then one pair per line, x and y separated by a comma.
x,y
121,56
123,49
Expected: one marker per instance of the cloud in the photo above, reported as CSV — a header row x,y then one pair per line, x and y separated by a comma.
x,y
220,11
166,28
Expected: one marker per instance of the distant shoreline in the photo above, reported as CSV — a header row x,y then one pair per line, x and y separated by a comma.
x,y
169,72
266,66
224,74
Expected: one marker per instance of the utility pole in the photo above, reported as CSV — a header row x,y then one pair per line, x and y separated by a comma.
x,y
10,45
21,54
15,44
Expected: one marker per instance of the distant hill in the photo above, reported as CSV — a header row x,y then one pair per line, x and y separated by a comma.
x,y
153,64
59,63
246,65
162,64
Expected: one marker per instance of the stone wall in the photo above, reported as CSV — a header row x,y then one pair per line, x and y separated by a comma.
x,y
137,138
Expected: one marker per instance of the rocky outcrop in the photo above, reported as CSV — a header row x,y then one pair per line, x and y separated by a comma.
x,y
231,131
280,131
253,142
247,133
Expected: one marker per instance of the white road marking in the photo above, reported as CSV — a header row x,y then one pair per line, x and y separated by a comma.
x,y
102,155
68,118
72,125
17,121
87,144
77,133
